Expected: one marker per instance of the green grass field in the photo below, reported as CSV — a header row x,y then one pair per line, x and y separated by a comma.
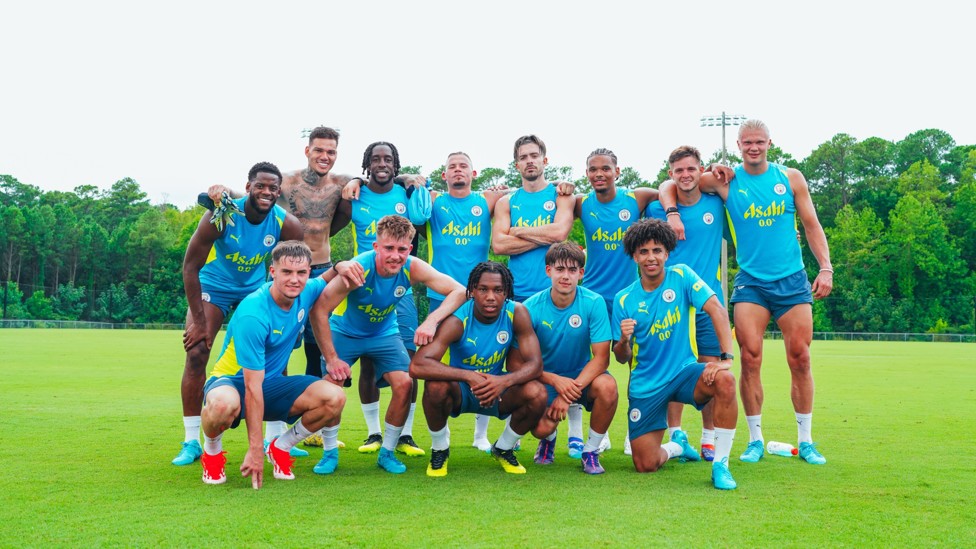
x,y
90,420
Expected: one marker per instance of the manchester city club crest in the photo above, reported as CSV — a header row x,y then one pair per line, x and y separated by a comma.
x,y
779,188
575,321
476,211
623,215
399,291
668,295
400,208
301,315
549,206
269,240
708,218
502,337
635,415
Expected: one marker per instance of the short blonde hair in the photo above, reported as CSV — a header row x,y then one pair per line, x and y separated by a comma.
x,y
396,227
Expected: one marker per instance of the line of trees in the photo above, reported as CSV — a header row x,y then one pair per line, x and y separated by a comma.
x,y
900,219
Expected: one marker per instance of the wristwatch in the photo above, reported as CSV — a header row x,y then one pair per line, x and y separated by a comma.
x,y
726,356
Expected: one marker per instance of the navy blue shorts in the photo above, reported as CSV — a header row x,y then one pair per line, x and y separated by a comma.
x,y
583,400
471,405
406,310
649,414
387,354
280,394
225,298
777,297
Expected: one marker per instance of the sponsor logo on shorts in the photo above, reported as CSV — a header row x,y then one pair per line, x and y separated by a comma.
x,y
668,295
301,315
502,337
399,291
476,211
635,415
708,218
205,296
575,321
549,206
400,208
779,188
269,240
624,215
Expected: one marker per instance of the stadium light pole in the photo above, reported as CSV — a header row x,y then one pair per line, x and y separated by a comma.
x,y
723,121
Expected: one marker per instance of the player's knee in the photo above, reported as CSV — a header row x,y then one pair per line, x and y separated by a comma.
x,y
604,388
331,398
220,412
196,360
645,463
401,385
436,391
536,394
798,357
544,428
725,386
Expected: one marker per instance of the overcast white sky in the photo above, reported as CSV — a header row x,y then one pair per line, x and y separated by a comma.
x,y
180,95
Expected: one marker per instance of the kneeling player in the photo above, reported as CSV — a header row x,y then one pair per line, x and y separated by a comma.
x,y
652,319
363,323
573,328
248,380
479,335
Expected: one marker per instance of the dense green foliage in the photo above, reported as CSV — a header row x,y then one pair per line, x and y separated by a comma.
x,y
104,477
900,219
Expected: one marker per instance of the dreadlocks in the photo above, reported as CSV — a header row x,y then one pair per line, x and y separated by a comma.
x,y
369,153
491,267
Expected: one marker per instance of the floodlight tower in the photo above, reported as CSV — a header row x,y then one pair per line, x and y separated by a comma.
x,y
724,120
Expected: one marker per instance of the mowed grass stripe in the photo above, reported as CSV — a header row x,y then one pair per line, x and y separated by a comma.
x,y
92,418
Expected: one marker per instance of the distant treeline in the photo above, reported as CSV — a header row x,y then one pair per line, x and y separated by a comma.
x,y
900,219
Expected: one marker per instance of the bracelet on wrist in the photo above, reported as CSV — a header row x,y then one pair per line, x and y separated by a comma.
x,y
831,271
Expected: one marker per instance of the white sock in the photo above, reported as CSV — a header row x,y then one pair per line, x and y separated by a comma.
x,y
671,431
191,427
293,436
575,420
755,429
330,437
273,429
391,435
508,439
440,440
708,436
212,446
723,443
673,449
552,436
371,412
593,441
408,426
481,427
804,426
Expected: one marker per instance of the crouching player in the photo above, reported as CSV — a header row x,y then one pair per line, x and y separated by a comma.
x,y
479,335
653,322
573,328
248,380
